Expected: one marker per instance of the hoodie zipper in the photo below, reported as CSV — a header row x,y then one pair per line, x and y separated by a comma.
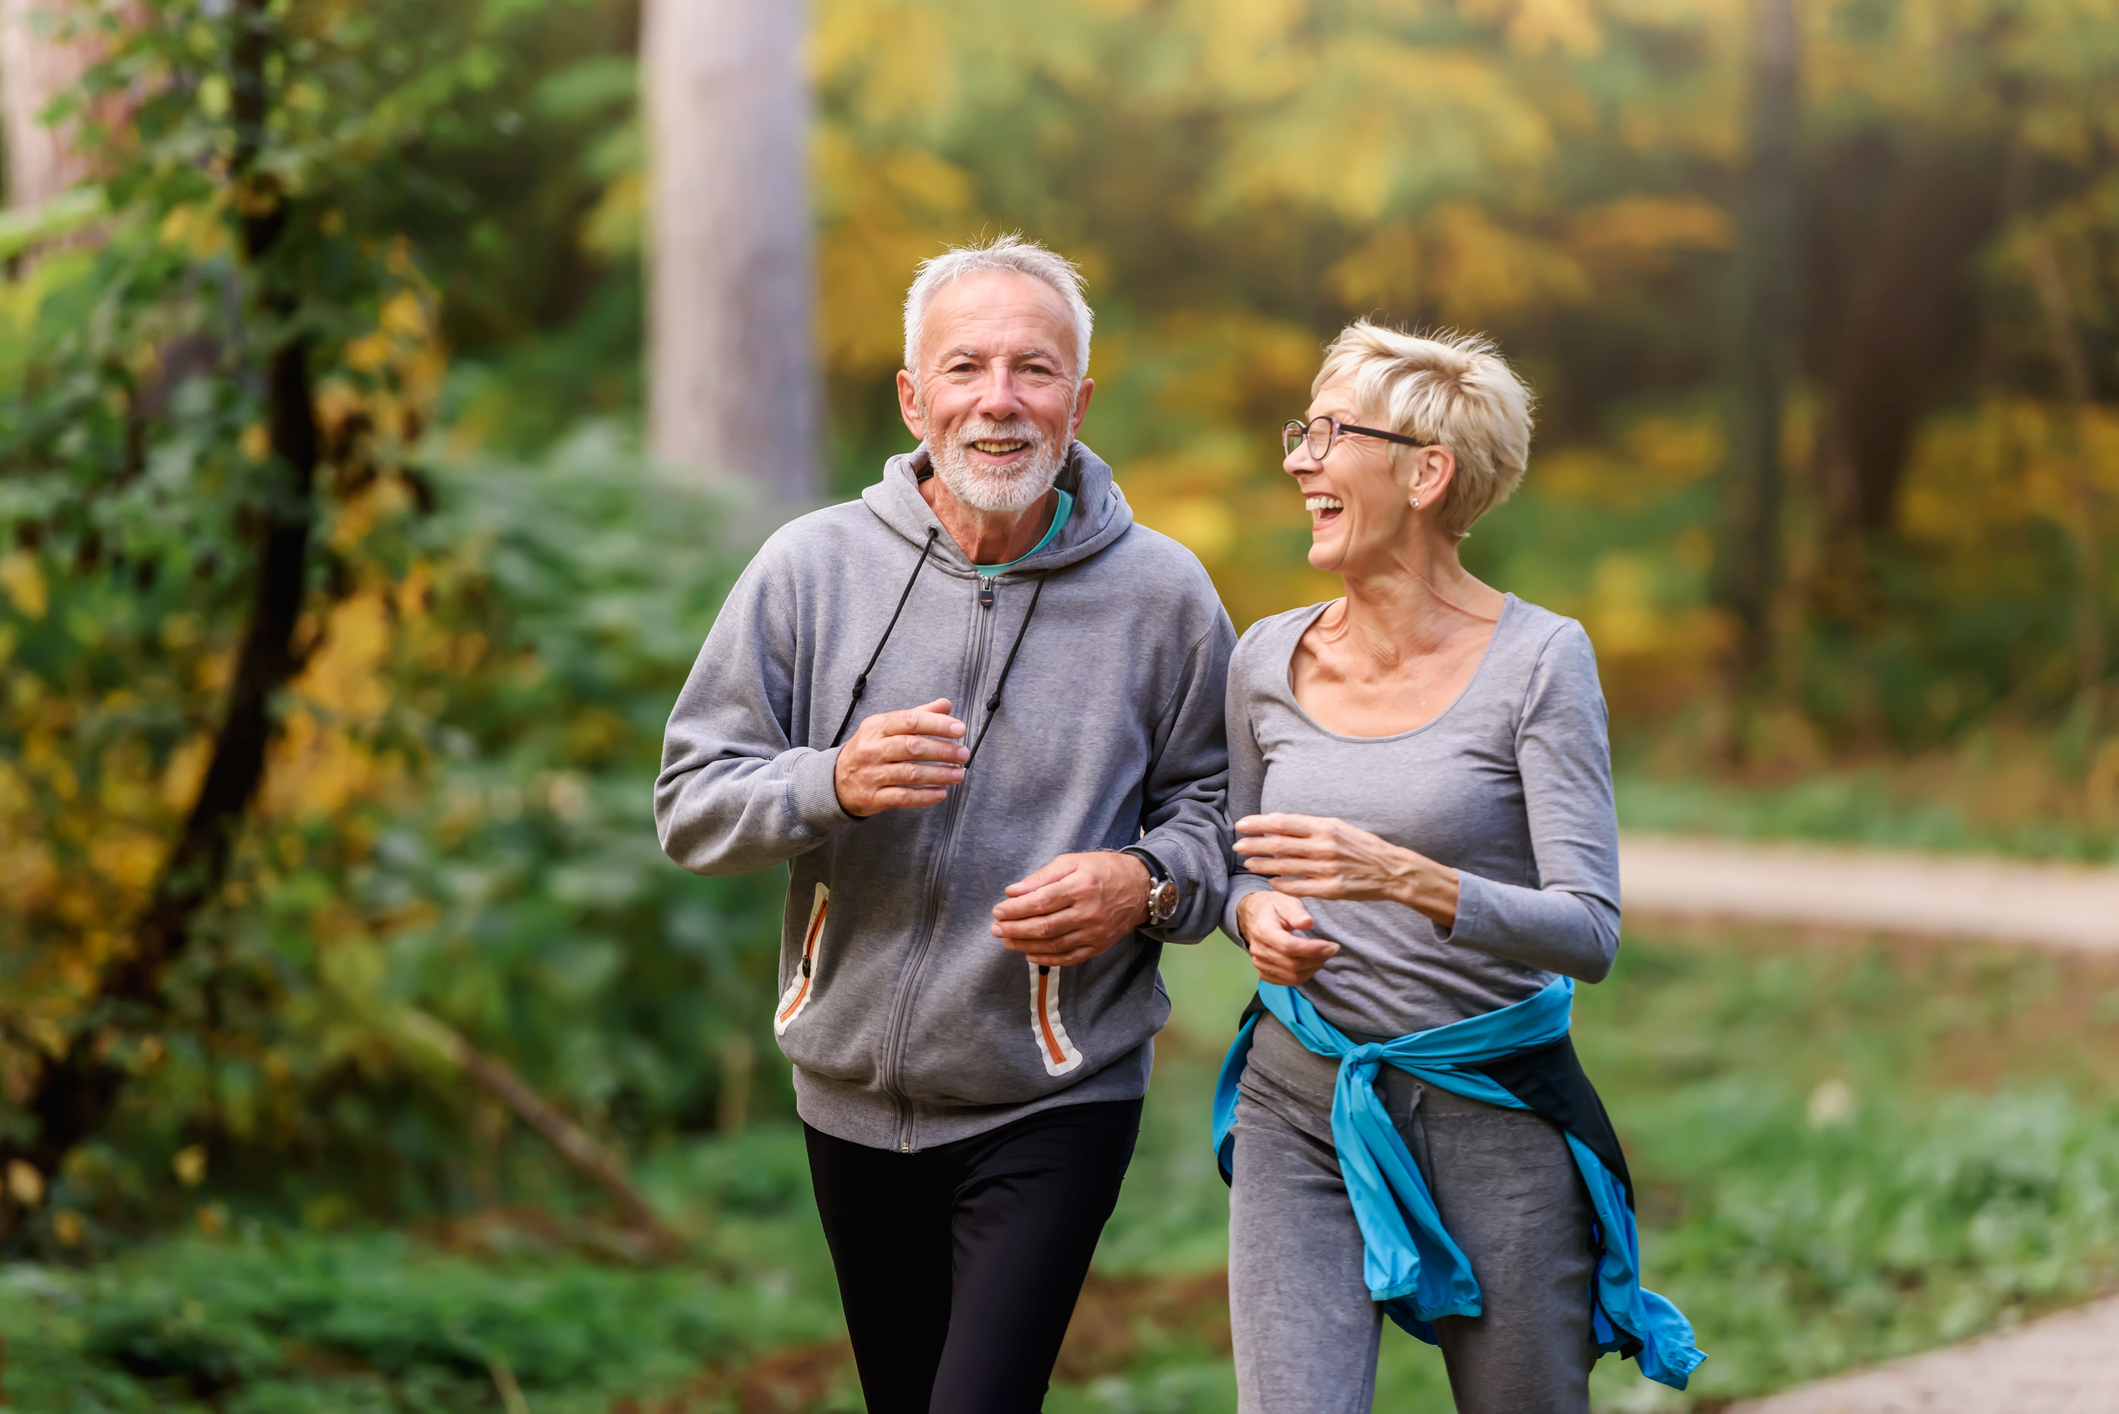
x,y
931,901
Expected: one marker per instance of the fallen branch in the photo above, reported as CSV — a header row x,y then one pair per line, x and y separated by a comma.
x,y
583,1153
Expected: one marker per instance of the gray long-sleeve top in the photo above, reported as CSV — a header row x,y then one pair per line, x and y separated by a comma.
x,y
1510,786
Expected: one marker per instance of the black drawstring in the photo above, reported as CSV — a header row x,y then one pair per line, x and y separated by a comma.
x,y
860,684
993,703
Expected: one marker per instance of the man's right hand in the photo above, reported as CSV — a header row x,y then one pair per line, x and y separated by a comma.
x,y
898,760
1269,922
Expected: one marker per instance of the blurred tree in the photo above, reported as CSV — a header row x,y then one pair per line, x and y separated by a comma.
x,y
308,727
75,1089
1893,311
732,379
2077,431
1749,569
46,46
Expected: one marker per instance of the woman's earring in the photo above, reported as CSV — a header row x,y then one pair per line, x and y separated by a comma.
x,y
1416,500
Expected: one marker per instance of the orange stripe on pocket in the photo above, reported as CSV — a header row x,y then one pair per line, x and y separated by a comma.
x,y
1054,1047
803,984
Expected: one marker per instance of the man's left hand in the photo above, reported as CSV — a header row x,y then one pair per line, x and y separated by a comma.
x,y
1074,907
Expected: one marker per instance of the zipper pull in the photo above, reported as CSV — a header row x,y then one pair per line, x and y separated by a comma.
x,y
985,592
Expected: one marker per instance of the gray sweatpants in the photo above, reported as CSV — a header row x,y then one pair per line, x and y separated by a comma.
x,y
1505,1183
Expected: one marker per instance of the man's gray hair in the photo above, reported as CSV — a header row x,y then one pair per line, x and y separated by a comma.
x,y
1008,254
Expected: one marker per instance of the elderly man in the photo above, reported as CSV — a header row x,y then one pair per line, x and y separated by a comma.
x,y
985,866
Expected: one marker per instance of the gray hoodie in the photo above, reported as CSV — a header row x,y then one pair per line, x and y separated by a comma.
x,y
908,1023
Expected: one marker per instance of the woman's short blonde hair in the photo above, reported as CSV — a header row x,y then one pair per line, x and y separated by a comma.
x,y
1453,389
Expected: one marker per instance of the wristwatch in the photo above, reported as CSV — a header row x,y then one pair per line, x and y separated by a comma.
x,y
1162,889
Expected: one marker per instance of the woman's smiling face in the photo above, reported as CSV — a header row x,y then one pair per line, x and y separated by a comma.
x,y
1359,506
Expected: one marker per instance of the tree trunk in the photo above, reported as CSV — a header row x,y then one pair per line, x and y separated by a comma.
x,y
44,50
1892,308
2084,512
1748,571
732,379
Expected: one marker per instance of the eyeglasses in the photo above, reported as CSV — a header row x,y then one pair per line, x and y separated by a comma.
x,y
1321,432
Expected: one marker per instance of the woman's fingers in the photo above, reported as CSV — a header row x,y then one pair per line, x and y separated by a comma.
x,y
1279,823
1291,961
1291,864
1277,919
1292,915
1274,932
1311,845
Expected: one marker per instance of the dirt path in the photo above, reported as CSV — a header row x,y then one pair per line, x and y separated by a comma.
x,y
2064,1364
2052,905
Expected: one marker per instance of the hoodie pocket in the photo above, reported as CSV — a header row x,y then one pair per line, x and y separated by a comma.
x,y
1046,1028
803,985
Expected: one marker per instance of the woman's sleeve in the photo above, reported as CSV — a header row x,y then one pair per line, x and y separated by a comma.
x,y
1247,776
1570,923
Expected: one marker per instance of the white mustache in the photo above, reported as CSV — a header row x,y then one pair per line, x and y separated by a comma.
x,y
1017,431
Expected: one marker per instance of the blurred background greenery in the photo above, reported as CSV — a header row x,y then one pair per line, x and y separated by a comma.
x,y
341,607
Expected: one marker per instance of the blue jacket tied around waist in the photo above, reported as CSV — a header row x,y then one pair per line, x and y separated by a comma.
x,y
1409,1261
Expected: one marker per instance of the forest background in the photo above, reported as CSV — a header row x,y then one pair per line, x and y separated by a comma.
x,y
341,605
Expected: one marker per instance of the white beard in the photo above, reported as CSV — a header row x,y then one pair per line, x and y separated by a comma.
x,y
997,490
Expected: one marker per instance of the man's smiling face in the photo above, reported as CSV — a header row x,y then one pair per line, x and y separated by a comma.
x,y
995,395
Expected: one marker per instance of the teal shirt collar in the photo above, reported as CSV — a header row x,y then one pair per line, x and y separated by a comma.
x,y
1059,518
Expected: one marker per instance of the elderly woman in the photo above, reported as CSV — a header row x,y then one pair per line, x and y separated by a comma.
x,y
1422,792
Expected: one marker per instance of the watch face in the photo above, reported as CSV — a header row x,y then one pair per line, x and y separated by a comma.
x,y
1162,901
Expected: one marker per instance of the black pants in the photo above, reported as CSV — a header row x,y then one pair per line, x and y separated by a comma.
x,y
959,1265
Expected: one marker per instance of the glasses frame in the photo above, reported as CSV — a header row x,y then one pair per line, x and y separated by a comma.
x,y
1293,432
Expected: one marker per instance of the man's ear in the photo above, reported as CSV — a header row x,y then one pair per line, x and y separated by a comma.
x,y
909,405
1082,390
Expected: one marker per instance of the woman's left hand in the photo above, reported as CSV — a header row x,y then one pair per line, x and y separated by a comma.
x,y
1316,856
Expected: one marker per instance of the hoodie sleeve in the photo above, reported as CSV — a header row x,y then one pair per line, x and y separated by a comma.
x,y
735,793
1182,815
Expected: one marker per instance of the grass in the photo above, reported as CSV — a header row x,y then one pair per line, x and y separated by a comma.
x,y
1846,1150
2021,806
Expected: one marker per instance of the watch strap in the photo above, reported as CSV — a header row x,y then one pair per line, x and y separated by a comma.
x,y
1158,878
1155,866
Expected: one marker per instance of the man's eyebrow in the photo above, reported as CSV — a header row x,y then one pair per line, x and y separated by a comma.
x,y
1035,350
1039,351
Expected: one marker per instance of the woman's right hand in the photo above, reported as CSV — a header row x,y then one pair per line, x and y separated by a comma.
x,y
1269,922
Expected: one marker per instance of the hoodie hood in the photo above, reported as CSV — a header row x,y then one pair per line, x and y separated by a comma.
x,y
1100,517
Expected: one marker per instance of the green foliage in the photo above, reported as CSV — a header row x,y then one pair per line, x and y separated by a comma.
x,y
455,809
1814,1250
476,845
1847,1153
263,1318
1958,804
1844,1153
288,1322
